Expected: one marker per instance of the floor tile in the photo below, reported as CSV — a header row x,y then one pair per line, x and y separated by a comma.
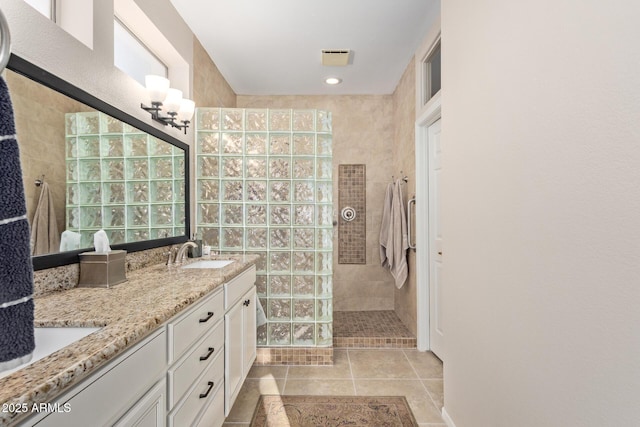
x,y
319,388
426,364
421,405
436,391
380,364
262,371
245,403
340,368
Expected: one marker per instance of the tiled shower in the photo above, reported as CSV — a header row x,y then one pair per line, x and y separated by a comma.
x,y
264,186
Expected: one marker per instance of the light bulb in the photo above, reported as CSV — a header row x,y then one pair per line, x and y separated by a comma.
x,y
187,107
157,87
332,80
172,102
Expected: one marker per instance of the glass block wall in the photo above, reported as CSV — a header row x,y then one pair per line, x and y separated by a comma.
x,y
264,186
122,180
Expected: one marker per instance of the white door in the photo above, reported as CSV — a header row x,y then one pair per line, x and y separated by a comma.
x,y
436,329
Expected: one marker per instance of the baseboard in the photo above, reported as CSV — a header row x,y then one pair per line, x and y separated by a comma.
x,y
447,419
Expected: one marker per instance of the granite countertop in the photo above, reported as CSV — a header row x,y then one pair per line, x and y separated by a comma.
x,y
126,313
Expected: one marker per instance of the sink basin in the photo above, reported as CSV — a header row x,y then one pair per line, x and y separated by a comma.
x,y
50,340
209,263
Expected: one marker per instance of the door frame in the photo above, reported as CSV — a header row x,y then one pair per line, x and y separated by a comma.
x,y
431,114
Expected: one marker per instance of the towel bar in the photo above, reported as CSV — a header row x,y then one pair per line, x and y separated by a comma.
x,y
5,47
409,216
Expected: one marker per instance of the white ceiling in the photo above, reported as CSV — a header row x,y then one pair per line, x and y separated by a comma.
x,y
273,47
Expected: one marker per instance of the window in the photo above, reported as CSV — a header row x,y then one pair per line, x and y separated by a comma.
x,y
432,75
132,56
45,7
73,16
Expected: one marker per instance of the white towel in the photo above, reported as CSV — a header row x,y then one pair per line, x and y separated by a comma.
x,y
69,241
385,226
261,318
399,240
44,229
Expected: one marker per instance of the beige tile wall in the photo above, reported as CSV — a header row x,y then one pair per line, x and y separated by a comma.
x,y
362,134
404,160
210,89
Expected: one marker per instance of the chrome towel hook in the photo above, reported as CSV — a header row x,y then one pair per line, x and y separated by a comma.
x,y
5,46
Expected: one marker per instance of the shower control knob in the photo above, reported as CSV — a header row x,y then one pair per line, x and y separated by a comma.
x,y
348,213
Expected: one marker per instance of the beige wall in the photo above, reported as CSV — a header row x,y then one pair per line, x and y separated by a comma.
x,y
404,112
362,134
210,89
540,212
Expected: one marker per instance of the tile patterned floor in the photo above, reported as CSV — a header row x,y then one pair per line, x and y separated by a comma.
x,y
370,329
356,372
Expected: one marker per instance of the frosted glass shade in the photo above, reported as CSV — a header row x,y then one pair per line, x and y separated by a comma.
x,y
173,100
157,87
187,107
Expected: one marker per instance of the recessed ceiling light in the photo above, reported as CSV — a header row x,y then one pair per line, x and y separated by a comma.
x,y
332,80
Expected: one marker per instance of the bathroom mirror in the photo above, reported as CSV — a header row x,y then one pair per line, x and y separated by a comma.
x,y
103,169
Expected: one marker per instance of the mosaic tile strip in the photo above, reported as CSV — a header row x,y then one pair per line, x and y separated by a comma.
x,y
352,234
294,356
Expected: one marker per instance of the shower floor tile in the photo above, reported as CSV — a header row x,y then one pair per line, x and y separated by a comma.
x,y
370,329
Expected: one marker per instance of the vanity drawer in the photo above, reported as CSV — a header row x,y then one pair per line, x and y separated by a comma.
x,y
188,328
184,372
237,287
200,395
213,414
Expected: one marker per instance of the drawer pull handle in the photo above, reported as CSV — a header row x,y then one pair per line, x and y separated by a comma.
x,y
206,393
208,355
209,316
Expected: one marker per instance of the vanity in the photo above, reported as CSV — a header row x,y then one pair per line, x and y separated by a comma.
x,y
174,347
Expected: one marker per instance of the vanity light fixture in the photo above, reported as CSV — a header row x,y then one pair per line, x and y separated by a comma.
x,y
332,80
167,105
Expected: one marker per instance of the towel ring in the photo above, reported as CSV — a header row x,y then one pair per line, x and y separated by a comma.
x,y
5,47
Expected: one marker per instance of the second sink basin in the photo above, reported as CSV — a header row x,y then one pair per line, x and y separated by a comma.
x,y
209,263
50,340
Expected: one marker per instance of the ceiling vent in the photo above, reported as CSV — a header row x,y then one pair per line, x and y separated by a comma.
x,y
335,58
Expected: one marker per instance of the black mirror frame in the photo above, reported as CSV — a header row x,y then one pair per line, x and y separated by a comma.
x,y
37,74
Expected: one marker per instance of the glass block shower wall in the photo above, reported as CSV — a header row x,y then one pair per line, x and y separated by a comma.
x,y
122,180
264,187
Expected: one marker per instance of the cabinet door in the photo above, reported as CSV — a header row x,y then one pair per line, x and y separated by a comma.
x,y
249,329
149,411
233,360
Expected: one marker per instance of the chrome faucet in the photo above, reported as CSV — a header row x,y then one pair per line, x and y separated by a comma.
x,y
171,255
183,250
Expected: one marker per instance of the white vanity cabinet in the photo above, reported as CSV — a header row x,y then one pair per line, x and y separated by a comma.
x,y
240,333
196,375
186,373
123,392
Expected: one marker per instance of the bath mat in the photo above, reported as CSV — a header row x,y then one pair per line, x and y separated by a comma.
x,y
332,411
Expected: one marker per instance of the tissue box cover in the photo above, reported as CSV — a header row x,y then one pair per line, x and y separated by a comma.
x,y
102,269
